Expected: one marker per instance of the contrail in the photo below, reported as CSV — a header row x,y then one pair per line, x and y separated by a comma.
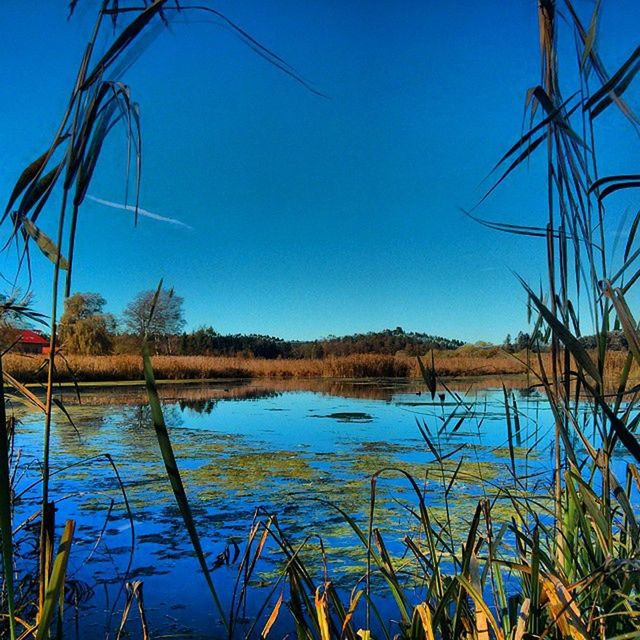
x,y
141,212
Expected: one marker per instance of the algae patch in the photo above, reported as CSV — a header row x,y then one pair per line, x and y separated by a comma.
x,y
348,416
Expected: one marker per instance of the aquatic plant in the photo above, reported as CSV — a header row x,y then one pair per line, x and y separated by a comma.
x,y
28,368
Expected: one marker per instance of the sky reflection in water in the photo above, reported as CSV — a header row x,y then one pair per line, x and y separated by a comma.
x,y
289,447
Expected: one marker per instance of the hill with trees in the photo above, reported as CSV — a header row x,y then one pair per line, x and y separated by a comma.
x,y
206,341
86,329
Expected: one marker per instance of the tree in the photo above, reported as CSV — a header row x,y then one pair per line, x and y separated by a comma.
x,y
84,327
523,341
167,319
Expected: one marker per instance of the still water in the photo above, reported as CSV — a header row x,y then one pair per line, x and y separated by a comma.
x,y
299,450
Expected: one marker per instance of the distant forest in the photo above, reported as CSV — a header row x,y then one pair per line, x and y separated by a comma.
x,y
390,341
86,329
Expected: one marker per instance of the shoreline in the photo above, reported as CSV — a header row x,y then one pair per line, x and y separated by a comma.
x,y
127,370
184,382
216,390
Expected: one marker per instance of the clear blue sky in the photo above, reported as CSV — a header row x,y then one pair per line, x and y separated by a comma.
x,y
311,216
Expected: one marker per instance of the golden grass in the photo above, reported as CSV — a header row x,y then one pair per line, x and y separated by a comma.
x,y
129,367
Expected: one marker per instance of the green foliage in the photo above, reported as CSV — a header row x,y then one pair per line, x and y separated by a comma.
x,y
614,341
387,342
84,328
205,341
478,350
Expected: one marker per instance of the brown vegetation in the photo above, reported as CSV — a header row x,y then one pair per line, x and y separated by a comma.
x,y
459,363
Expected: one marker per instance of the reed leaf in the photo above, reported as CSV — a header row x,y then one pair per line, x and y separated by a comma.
x,y
6,527
31,397
37,190
272,617
479,602
44,242
429,375
173,473
56,581
346,622
564,610
422,616
322,614
31,173
565,336
119,46
617,84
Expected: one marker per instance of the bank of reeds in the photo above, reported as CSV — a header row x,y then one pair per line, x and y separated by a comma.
x,y
449,364
125,367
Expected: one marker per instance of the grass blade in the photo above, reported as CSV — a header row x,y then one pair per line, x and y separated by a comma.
x,y
44,242
6,529
173,473
56,581
566,337
273,617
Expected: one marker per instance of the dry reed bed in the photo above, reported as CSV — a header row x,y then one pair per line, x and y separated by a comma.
x,y
129,367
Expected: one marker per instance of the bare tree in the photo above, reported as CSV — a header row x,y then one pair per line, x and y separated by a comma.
x,y
167,319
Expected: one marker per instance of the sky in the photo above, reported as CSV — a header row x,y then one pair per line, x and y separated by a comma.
x,y
303,215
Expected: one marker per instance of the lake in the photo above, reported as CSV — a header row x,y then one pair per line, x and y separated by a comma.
x,y
303,450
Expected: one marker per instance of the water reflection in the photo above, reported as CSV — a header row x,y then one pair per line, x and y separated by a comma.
x,y
291,448
248,389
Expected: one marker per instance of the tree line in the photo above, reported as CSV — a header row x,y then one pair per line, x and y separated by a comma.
x,y
85,328
615,341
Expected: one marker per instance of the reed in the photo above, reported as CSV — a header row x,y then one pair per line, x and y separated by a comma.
x,y
449,364
125,367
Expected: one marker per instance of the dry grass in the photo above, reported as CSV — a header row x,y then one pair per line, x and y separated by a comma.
x,y
449,364
129,367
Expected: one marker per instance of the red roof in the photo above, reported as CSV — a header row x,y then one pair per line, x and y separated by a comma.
x,y
31,337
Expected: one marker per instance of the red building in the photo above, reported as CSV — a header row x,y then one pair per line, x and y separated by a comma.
x,y
32,342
